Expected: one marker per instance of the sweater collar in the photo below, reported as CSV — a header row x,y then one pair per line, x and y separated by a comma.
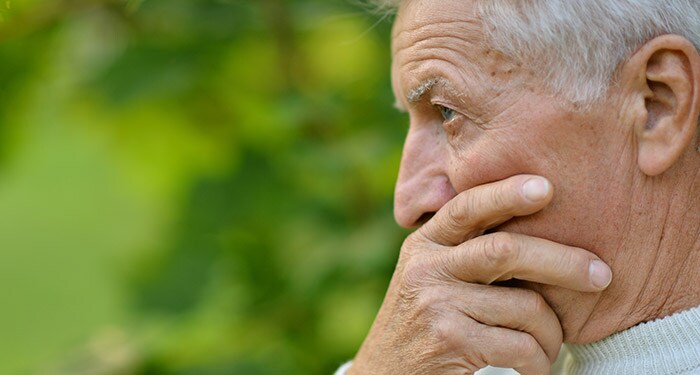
x,y
669,345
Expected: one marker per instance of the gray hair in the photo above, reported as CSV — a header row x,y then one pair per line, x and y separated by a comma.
x,y
578,45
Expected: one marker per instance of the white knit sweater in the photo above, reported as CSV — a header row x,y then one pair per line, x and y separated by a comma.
x,y
664,346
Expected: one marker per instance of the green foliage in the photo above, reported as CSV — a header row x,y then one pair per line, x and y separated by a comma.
x,y
193,187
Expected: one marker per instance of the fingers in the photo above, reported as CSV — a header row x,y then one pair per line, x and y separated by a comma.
x,y
486,206
502,256
446,290
498,347
517,350
526,311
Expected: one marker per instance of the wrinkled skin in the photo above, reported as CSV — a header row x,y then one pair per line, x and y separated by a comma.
x,y
443,314
504,271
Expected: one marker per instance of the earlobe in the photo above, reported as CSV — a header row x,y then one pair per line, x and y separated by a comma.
x,y
669,85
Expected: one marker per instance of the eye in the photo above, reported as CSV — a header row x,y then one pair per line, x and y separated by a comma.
x,y
448,114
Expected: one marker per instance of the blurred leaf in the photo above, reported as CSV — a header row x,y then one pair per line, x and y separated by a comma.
x,y
193,187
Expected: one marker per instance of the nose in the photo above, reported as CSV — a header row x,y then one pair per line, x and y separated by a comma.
x,y
423,185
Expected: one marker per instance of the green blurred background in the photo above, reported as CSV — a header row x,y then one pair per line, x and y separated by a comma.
x,y
193,186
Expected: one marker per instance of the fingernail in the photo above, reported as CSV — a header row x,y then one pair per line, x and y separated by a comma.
x,y
600,274
536,189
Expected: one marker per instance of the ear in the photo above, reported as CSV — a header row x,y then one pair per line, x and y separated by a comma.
x,y
664,76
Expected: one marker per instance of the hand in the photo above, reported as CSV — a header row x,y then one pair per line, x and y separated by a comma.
x,y
442,315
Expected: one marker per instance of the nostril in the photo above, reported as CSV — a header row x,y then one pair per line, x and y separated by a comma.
x,y
424,218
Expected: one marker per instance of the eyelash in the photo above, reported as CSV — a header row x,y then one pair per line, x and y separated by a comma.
x,y
448,114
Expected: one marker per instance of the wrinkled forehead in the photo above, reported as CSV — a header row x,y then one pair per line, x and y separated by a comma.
x,y
418,20
444,39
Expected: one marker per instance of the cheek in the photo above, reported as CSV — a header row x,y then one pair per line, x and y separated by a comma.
x,y
582,199
494,155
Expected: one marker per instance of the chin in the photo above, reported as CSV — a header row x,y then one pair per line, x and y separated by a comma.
x,y
574,309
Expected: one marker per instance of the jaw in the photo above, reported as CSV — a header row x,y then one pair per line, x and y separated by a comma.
x,y
575,311
578,312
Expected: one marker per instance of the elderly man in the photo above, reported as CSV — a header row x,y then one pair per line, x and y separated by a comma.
x,y
552,169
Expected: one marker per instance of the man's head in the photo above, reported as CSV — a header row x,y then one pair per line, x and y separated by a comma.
x,y
576,46
601,97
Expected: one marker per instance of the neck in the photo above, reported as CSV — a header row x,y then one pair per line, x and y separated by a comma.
x,y
655,266
662,249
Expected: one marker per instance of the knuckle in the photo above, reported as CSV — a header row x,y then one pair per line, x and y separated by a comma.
x,y
413,273
426,305
452,223
417,273
499,198
430,269
414,241
458,213
536,304
423,294
445,334
434,297
527,347
502,250
416,244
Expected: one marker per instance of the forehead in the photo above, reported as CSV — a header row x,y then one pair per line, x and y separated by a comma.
x,y
420,16
422,25
441,39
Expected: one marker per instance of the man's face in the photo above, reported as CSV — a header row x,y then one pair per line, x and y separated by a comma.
x,y
477,117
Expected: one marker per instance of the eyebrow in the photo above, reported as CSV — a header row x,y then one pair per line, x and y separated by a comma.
x,y
416,94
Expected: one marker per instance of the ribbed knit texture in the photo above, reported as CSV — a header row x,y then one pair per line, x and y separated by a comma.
x,y
665,346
